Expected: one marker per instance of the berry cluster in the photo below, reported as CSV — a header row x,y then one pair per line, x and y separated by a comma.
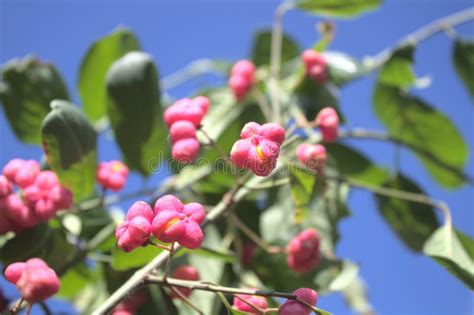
x,y
315,65
184,273
258,301
258,148
171,221
291,307
182,119
303,251
130,305
242,78
34,279
112,175
328,122
312,156
41,197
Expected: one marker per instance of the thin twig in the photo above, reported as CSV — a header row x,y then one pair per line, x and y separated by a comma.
x,y
253,236
204,286
45,308
421,34
186,300
255,307
168,261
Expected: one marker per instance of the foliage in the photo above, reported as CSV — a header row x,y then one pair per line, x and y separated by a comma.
x,y
120,88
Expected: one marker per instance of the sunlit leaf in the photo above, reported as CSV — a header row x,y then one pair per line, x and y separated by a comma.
x,y
338,8
69,141
94,65
27,87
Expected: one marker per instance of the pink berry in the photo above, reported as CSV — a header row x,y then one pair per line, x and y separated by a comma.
x,y
244,68
38,283
328,121
12,168
46,196
258,301
312,156
168,202
239,86
242,78
18,213
182,129
27,175
192,237
291,307
185,109
303,251
195,212
131,304
185,273
140,209
168,226
6,187
186,150
112,175
136,230
202,102
14,271
259,147
315,64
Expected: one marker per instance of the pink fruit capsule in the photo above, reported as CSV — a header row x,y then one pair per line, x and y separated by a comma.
x,y
328,121
185,151
182,129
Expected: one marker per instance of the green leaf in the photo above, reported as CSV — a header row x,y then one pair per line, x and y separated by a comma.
x,y
134,110
346,276
426,131
69,142
338,8
353,164
140,256
27,87
311,97
463,58
355,295
21,247
261,48
74,280
302,187
99,57
342,68
412,222
398,71
454,251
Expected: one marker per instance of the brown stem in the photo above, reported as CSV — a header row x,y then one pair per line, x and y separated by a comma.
x,y
253,236
204,286
168,261
186,300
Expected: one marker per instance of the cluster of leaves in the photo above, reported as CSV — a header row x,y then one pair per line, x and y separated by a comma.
x,y
119,87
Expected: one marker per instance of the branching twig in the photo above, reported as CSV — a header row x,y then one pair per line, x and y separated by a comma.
x,y
186,300
441,25
198,285
253,236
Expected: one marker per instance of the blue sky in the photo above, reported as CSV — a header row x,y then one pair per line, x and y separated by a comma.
x,y
178,32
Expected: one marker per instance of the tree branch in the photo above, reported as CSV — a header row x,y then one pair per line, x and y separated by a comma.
x,y
441,25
